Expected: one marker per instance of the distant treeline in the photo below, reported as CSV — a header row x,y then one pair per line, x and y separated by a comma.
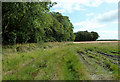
x,y
31,22
108,40
86,36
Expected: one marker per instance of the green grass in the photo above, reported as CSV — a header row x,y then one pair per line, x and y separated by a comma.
x,y
59,61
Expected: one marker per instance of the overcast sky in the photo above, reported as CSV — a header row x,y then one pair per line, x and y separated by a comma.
x,y
92,15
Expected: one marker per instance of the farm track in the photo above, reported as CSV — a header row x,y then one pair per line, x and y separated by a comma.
x,y
113,59
108,55
103,58
91,63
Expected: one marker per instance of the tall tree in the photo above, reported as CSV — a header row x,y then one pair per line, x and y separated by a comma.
x,y
33,22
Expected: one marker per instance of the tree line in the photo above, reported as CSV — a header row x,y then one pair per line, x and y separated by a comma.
x,y
86,36
31,22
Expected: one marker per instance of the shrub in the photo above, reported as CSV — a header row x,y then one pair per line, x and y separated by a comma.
x,y
10,38
22,37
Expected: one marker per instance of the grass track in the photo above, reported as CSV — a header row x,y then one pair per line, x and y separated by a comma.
x,y
60,61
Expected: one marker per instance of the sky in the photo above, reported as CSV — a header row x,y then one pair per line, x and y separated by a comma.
x,y
100,16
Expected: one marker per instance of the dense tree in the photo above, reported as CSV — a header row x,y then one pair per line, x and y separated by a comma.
x,y
95,35
86,36
33,22
66,25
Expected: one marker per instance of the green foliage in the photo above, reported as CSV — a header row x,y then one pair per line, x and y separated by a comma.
x,y
86,36
22,37
95,35
64,28
10,38
33,22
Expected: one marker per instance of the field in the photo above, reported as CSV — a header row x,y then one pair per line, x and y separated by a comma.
x,y
60,61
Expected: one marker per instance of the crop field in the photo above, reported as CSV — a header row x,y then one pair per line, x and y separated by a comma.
x,y
60,61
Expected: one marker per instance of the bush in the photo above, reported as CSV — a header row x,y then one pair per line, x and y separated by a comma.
x,y
22,37
10,38
86,36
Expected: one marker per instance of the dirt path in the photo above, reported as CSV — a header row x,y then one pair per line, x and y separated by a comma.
x,y
94,68
96,42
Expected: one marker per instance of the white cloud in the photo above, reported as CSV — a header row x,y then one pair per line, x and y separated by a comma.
x,y
78,7
87,25
111,1
89,14
60,10
71,5
98,21
108,34
67,6
110,16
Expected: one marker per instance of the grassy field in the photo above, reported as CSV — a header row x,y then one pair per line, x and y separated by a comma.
x,y
60,61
